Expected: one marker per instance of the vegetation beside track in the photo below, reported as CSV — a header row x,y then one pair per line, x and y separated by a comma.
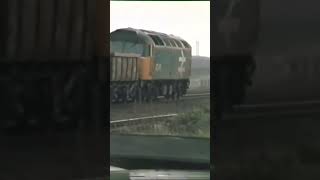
x,y
195,123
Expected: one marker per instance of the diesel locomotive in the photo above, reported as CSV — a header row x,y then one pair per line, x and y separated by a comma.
x,y
147,64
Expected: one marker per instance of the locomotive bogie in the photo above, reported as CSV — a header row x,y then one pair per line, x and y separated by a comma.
x,y
146,91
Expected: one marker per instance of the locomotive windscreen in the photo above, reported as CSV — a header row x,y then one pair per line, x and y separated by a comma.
x,y
128,47
123,41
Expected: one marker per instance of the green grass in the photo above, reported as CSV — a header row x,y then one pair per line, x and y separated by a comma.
x,y
195,124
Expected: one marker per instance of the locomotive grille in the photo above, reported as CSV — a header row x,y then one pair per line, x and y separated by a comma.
x,y
124,68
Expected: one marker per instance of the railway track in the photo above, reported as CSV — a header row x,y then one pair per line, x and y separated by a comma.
x,y
275,110
193,96
115,124
147,122
131,110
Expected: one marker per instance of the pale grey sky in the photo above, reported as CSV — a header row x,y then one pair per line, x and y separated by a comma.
x,y
189,20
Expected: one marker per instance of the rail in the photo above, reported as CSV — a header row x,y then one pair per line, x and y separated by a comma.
x,y
133,121
196,95
191,96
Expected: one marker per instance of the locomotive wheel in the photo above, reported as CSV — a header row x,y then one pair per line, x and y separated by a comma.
x,y
150,93
165,91
174,93
156,93
179,90
175,96
139,95
171,91
144,94
168,92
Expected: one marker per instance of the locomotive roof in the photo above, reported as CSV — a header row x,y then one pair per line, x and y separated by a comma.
x,y
147,36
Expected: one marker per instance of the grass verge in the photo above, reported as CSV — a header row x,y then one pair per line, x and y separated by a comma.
x,y
195,123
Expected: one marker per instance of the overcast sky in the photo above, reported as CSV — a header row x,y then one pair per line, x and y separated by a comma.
x,y
189,20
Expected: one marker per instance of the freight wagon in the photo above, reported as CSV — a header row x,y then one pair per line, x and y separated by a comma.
x,y
265,51
52,88
152,64
53,55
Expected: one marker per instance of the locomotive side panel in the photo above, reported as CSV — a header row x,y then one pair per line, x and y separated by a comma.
x,y
172,64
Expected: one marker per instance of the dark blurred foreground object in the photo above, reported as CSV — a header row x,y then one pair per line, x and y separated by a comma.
x,y
263,54
53,79
159,157
159,152
283,46
236,26
62,156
